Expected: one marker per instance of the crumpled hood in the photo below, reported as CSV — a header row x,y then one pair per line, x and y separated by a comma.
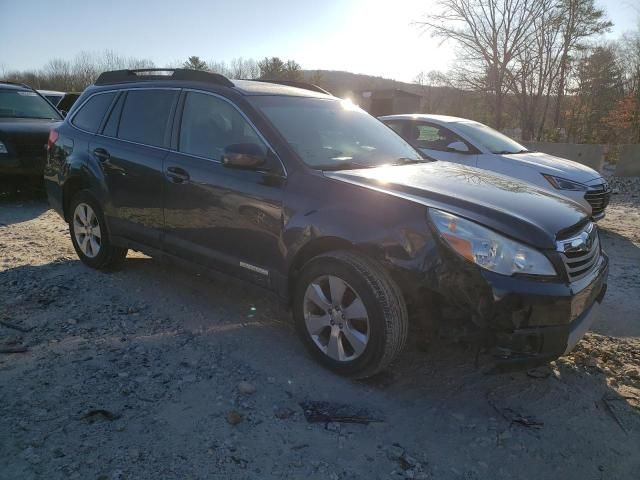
x,y
517,209
557,166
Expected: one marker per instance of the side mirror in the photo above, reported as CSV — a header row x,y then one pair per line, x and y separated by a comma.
x,y
244,156
459,147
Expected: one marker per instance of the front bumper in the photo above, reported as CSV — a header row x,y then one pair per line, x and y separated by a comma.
x,y
528,320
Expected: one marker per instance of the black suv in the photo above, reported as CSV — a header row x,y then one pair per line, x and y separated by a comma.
x,y
311,197
25,121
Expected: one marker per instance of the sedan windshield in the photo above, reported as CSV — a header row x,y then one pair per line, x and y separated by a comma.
x,y
330,134
492,140
25,104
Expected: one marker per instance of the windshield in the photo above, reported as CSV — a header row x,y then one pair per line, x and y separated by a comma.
x,y
330,134
490,139
25,104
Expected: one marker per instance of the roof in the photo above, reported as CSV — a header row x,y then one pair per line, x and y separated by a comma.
x,y
425,116
251,87
51,92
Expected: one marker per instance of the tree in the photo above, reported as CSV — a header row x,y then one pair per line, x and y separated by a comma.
x,y
194,63
275,69
599,85
271,68
581,20
489,35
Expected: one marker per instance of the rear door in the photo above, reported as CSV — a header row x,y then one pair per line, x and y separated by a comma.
x,y
131,151
433,140
217,216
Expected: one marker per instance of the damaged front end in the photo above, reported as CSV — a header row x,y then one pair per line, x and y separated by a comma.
x,y
524,318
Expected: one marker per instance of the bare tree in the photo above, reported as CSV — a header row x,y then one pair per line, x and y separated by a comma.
x,y
489,34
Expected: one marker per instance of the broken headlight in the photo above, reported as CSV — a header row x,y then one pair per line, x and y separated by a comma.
x,y
488,249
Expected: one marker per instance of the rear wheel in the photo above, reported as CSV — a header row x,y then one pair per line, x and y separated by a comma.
x,y
350,314
89,234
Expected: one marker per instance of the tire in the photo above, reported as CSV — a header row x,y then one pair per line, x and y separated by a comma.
x,y
340,345
96,252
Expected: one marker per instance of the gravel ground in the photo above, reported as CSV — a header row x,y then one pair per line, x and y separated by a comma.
x,y
151,372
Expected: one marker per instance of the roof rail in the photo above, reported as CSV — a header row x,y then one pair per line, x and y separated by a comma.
x,y
297,84
148,74
17,83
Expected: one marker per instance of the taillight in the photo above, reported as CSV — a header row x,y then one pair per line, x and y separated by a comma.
x,y
53,138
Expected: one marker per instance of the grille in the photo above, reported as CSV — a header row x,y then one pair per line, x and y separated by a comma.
x,y
580,253
598,197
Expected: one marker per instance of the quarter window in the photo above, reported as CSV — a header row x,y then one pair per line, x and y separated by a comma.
x,y
210,124
145,116
90,115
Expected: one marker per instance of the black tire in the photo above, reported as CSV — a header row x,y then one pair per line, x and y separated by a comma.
x,y
108,255
382,299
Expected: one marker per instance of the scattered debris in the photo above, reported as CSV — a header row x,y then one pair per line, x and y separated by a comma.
x,y
512,416
327,412
99,414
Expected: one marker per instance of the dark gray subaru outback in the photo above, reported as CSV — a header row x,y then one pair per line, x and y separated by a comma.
x,y
309,196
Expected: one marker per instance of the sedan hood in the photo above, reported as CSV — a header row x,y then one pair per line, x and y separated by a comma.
x,y
517,209
556,166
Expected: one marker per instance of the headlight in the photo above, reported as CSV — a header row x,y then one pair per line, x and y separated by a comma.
x,y
564,184
3,148
488,249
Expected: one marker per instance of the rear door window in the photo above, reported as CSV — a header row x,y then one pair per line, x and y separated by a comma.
x,y
146,116
90,115
111,126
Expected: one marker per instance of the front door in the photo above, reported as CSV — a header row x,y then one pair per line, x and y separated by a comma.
x,y
219,217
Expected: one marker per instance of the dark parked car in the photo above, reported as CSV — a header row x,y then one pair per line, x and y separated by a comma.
x,y
25,121
309,196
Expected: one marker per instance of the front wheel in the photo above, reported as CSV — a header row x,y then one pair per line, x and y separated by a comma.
x,y
90,236
350,314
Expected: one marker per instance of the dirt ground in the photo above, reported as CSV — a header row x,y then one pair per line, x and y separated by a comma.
x,y
151,372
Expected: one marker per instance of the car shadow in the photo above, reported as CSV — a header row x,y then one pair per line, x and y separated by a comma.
x,y
21,200
622,301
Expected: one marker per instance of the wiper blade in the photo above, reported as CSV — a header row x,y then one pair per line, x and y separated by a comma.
x,y
509,152
343,165
407,161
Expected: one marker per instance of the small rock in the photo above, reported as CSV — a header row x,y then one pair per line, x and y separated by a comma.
x,y
395,452
246,388
233,417
283,413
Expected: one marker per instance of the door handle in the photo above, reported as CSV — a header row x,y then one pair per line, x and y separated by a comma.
x,y
177,175
101,154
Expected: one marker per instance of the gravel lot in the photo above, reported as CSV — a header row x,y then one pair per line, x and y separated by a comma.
x,y
151,372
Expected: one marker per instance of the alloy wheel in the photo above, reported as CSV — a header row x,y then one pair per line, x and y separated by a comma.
x,y
86,229
336,318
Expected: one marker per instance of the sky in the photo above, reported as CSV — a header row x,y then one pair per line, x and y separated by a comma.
x,y
373,37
